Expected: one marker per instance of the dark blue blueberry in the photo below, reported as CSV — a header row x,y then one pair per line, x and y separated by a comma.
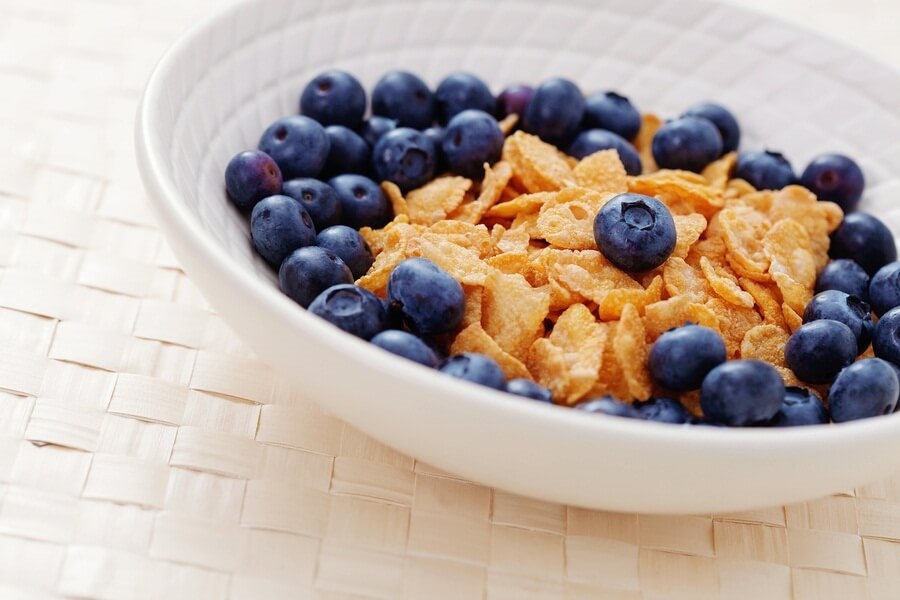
x,y
687,143
863,238
347,153
742,392
514,99
375,127
334,98
884,290
309,271
886,337
663,410
724,121
251,176
818,350
407,345
405,98
404,156
529,389
594,140
354,309
867,388
348,244
836,178
298,144
461,91
849,310
680,358
363,203
844,275
471,139
475,367
801,406
430,299
318,198
764,169
278,226
607,405
635,232
612,112
436,135
555,111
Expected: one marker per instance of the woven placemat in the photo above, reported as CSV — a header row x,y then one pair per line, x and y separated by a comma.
x,y
145,453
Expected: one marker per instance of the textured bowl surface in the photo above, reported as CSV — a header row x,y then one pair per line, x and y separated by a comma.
x,y
224,82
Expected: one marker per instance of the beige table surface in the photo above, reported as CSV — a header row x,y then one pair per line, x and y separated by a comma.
x,y
144,453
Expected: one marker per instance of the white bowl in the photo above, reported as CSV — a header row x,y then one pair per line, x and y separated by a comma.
x,y
217,89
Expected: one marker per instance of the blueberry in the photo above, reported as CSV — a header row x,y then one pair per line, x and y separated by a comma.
x,y
349,245
461,91
334,98
635,232
818,350
680,358
407,345
607,405
475,367
529,389
849,310
612,112
513,100
688,143
742,392
836,178
867,388
845,275
594,140
886,337
663,410
347,153
375,127
436,135
318,198
555,111
471,139
405,98
724,121
884,290
309,271
764,169
354,309
863,238
251,176
278,226
430,299
404,156
298,144
363,204
801,406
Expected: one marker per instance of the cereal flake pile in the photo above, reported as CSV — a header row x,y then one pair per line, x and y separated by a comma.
x,y
544,302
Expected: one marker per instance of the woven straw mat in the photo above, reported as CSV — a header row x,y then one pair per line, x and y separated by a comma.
x,y
144,453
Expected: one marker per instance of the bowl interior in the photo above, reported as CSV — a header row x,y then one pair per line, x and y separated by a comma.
x,y
216,91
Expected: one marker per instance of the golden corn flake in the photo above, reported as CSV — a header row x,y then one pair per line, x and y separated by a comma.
x,y
633,352
602,171
718,172
676,311
681,279
495,180
614,301
524,204
508,123
537,165
513,312
765,342
688,229
644,141
395,196
463,264
742,231
567,219
474,339
436,199
682,192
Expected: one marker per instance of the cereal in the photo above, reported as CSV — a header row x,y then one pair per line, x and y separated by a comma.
x,y
547,305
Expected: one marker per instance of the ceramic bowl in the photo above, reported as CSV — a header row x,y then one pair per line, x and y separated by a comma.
x,y
217,88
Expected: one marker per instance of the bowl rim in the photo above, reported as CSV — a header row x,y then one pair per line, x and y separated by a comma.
x,y
176,219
